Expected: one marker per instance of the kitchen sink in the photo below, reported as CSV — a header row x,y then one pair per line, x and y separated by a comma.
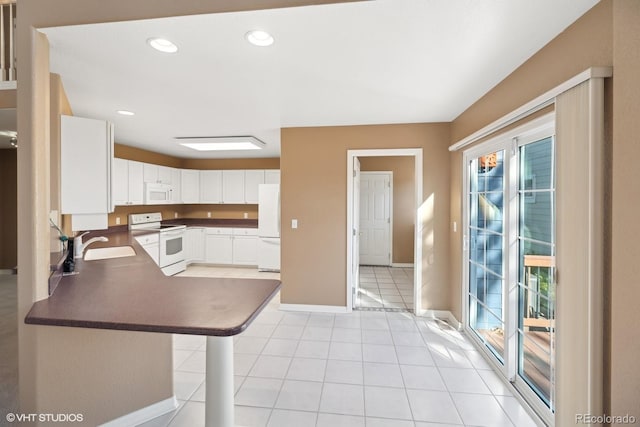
x,y
108,253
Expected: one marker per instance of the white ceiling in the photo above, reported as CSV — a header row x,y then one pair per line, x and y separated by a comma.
x,y
384,61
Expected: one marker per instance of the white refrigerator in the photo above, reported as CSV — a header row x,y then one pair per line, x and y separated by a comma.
x,y
269,227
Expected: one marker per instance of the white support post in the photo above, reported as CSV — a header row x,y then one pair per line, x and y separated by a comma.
x,y
219,382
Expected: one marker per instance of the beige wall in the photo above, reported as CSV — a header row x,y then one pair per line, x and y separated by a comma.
x,y
313,164
625,268
8,211
403,202
58,365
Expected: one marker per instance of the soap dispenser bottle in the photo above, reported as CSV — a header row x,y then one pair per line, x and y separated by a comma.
x,y
69,264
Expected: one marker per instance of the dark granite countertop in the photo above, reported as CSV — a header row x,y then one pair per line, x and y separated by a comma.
x,y
132,293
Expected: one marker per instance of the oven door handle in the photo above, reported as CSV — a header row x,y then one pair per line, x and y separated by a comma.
x,y
172,233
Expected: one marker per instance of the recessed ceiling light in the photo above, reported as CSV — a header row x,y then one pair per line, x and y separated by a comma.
x,y
259,38
126,113
226,143
163,45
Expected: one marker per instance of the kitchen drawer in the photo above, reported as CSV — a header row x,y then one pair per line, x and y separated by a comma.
x,y
148,239
219,230
245,231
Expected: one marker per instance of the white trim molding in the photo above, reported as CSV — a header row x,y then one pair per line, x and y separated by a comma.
x,y
314,308
417,276
533,106
402,264
144,414
445,315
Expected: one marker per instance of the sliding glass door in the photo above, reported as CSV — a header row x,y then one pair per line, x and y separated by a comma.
x,y
536,261
510,257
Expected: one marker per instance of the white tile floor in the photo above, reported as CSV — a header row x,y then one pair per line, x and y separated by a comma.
x,y
385,288
367,368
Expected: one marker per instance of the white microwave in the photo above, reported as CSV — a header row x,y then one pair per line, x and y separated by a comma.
x,y
157,194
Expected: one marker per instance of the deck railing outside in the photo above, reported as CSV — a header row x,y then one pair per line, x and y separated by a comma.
x,y
7,40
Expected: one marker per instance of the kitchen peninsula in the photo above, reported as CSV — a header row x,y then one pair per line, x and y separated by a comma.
x,y
132,294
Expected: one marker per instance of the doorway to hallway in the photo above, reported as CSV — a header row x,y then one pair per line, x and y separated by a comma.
x,y
354,207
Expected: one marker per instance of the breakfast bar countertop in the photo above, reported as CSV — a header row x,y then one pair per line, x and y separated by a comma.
x,y
132,293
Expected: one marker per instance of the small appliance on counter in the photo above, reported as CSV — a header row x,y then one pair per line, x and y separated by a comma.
x,y
168,249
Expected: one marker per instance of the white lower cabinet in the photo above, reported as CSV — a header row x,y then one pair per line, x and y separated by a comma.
x,y
245,246
229,246
219,246
195,244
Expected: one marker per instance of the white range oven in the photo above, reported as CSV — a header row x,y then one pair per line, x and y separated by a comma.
x,y
170,242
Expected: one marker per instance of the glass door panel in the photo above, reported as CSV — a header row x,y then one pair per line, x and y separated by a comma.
x,y
536,260
486,250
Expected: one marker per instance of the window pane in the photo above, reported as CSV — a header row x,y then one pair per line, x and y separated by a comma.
x,y
536,216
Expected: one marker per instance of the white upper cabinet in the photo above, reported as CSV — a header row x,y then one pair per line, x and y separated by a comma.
x,y
176,182
120,182
86,159
211,186
128,187
136,183
272,176
252,179
190,186
157,174
233,186
164,175
150,172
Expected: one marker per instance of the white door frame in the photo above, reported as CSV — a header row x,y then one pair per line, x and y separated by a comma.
x,y
390,174
417,252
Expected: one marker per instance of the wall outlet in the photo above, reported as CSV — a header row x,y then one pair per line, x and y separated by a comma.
x,y
294,223
208,214
246,215
117,220
175,214
455,227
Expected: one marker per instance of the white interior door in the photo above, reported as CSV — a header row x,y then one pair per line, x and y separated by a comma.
x,y
355,236
375,218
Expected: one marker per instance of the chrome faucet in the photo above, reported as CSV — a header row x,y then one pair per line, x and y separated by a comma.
x,y
80,246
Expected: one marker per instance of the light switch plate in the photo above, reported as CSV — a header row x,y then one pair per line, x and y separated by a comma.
x,y
294,223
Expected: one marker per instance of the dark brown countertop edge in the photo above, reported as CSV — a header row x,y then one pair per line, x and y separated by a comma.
x,y
214,222
167,329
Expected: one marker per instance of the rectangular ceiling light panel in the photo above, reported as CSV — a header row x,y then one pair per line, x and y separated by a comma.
x,y
222,143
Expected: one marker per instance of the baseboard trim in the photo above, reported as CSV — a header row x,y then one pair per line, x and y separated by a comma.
x,y
442,315
402,264
314,308
144,414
